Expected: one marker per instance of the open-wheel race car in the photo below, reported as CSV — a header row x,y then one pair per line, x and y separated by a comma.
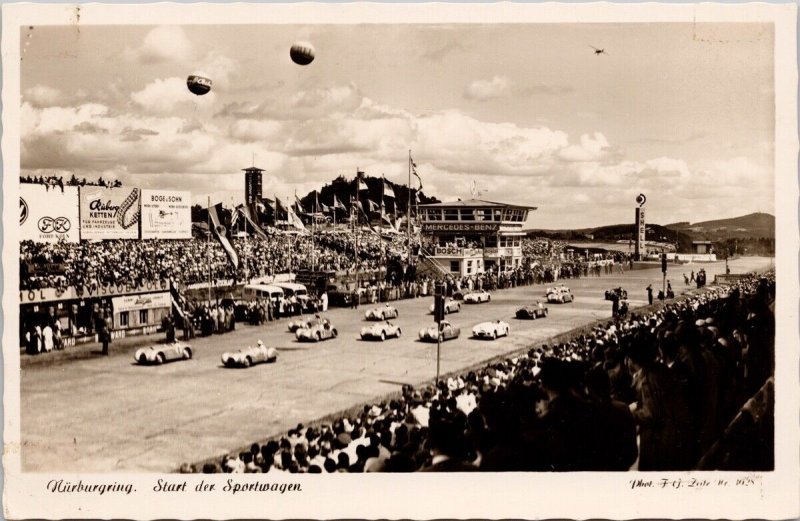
x,y
382,313
619,292
381,331
445,331
322,331
477,297
533,312
304,323
491,329
560,294
450,306
160,353
250,355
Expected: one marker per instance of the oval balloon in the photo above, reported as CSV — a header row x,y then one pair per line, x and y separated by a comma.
x,y
198,85
302,53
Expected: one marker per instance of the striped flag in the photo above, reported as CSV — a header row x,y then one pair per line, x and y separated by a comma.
x,y
414,171
388,191
373,207
337,204
221,234
361,184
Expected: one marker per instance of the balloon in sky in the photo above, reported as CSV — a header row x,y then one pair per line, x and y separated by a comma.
x,y
198,85
302,53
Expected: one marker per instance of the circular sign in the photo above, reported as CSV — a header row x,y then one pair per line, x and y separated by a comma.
x,y
57,225
23,211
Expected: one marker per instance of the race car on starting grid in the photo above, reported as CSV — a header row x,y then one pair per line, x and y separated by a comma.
x,y
382,331
450,306
322,331
619,292
160,353
476,297
533,312
304,323
250,355
560,294
382,313
491,329
445,331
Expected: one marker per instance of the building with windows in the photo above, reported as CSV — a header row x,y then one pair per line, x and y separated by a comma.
x,y
252,185
474,236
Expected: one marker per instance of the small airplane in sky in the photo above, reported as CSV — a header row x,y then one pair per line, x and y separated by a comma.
x,y
598,52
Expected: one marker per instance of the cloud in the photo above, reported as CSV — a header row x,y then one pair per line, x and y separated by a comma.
x,y
484,90
42,96
164,96
166,43
591,148
304,105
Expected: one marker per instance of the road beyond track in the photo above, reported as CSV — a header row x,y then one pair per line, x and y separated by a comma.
x,y
107,414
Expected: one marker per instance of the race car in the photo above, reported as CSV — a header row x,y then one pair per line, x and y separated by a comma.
x,y
382,330
619,292
322,331
476,297
304,323
250,356
450,306
445,331
491,329
533,312
559,294
160,353
382,313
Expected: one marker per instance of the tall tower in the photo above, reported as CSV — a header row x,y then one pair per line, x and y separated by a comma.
x,y
252,185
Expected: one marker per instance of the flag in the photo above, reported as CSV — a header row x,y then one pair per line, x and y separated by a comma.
x,y
373,207
325,208
388,191
235,216
299,205
361,184
292,217
260,206
221,233
337,204
366,217
250,215
414,171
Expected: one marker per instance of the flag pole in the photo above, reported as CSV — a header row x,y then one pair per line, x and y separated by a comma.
x,y
408,208
208,247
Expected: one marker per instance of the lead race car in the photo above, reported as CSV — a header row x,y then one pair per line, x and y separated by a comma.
x,y
491,329
322,331
250,355
445,331
533,312
382,331
382,313
450,306
304,323
477,297
560,294
160,353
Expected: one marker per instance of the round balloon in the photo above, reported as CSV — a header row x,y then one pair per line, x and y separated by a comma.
x,y
302,53
198,85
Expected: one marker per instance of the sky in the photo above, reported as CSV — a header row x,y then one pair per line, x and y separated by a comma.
x,y
683,113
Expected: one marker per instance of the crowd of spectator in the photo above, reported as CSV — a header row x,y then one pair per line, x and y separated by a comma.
x,y
55,181
692,380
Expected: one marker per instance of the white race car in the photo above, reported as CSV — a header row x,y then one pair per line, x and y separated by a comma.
x,y
250,356
476,297
559,294
160,353
382,331
382,313
322,331
491,329
445,331
450,306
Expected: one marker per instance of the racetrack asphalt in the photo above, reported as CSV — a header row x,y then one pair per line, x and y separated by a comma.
x,y
108,414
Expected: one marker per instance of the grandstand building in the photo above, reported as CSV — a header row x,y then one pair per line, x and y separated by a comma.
x,y
474,236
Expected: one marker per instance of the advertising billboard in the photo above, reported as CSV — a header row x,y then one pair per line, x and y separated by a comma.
x,y
641,229
137,302
166,214
109,213
48,213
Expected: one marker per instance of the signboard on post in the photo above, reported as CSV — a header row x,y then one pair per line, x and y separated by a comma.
x,y
166,214
109,213
641,229
48,213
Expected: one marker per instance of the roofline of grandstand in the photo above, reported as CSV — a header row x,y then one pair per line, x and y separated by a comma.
x,y
476,203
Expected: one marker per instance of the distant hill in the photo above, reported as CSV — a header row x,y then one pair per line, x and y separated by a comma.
x,y
752,226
